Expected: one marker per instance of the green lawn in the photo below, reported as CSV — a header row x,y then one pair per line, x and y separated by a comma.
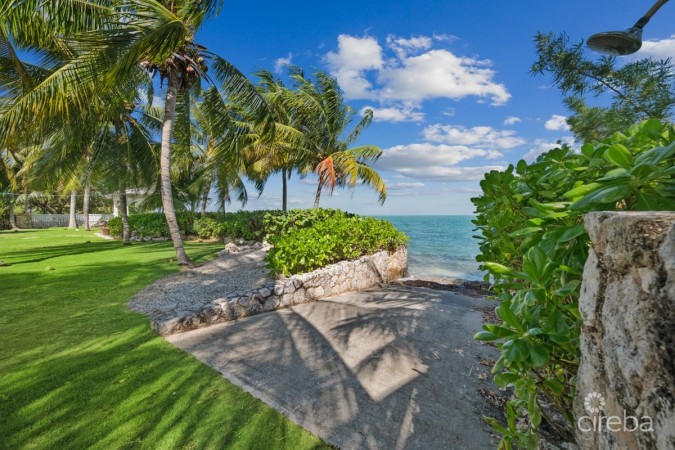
x,y
78,370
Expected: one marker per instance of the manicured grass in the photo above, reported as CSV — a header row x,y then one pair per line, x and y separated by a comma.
x,y
78,370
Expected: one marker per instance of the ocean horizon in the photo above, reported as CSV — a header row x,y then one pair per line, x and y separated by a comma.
x,y
440,246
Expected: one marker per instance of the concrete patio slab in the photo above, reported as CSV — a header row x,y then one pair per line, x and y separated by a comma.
x,y
388,368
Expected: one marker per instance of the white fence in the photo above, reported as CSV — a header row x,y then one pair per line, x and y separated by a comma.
x,y
61,220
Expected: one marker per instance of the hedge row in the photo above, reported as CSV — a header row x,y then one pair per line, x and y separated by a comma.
x,y
302,239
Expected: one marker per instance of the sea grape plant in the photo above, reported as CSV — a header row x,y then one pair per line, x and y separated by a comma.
x,y
533,247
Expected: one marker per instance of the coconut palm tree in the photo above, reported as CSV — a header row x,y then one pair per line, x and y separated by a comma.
x,y
281,148
325,121
109,43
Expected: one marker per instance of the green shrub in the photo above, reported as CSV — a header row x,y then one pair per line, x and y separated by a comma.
x,y
328,237
533,246
277,223
151,224
248,225
209,227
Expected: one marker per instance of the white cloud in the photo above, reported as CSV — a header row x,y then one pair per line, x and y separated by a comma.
x,y
441,74
512,120
445,37
404,189
483,136
403,47
395,114
401,186
450,112
416,72
426,154
280,63
431,161
557,123
542,146
660,49
354,57
451,173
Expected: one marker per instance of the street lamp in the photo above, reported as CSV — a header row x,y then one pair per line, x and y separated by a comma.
x,y
623,42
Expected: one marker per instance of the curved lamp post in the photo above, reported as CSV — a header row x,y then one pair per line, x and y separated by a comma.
x,y
623,42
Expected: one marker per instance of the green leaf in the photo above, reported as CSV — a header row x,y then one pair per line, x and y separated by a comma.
x,y
525,231
555,386
504,379
568,288
500,332
485,336
538,355
515,350
614,174
499,269
609,194
572,233
582,190
509,317
620,156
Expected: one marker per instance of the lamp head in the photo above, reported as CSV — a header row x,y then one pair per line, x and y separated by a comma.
x,y
617,42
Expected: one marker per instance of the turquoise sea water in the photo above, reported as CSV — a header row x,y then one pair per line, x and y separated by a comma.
x,y
440,246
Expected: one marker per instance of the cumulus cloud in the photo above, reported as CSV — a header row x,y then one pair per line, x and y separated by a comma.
x,y
441,74
660,49
557,123
280,63
416,73
395,114
512,120
483,136
434,161
542,146
354,57
402,46
472,173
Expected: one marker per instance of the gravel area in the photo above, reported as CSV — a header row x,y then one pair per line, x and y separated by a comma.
x,y
192,289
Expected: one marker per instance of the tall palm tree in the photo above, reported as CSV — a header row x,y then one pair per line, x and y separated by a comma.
x,y
325,121
106,44
282,147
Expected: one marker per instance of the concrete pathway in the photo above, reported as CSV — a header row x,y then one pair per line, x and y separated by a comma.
x,y
388,368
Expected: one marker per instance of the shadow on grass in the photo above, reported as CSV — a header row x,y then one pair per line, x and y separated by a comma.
x,y
77,370
39,254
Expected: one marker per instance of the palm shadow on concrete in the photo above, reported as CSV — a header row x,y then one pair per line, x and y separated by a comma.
x,y
387,368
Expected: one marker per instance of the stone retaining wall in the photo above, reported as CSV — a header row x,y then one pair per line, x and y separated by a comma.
x,y
346,276
628,334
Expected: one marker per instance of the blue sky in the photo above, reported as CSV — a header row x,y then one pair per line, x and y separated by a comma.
x,y
449,83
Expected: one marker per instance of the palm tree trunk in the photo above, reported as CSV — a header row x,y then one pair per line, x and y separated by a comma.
x,y
284,190
85,206
12,216
318,195
165,169
126,231
72,222
205,201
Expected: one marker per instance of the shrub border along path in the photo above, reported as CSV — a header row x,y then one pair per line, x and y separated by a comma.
x,y
78,370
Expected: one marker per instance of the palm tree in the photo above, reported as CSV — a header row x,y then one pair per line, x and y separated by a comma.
x,y
325,119
282,147
10,182
158,35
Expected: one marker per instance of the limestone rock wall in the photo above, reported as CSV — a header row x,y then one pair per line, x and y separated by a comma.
x,y
628,335
329,281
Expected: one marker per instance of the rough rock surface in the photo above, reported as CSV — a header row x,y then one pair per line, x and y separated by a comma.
x,y
627,343
237,286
